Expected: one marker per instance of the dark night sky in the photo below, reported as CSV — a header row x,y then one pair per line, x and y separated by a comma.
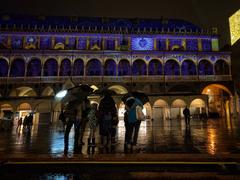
x,y
206,13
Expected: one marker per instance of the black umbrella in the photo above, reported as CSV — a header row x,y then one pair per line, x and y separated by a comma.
x,y
105,91
77,93
139,95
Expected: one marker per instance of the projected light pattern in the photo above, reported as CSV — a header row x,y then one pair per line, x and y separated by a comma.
x,y
142,44
234,22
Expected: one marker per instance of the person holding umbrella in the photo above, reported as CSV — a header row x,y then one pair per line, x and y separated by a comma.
x,y
107,113
132,123
133,102
74,111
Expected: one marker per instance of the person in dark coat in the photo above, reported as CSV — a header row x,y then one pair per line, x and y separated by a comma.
x,y
86,108
73,113
186,113
107,116
62,118
30,122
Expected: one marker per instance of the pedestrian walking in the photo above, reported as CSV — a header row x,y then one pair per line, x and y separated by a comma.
x,y
19,123
186,113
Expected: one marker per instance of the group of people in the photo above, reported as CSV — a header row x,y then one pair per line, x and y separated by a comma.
x,y
106,117
78,114
27,123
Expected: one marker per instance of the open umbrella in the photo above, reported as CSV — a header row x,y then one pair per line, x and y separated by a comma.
x,y
105,91
77,93
139,95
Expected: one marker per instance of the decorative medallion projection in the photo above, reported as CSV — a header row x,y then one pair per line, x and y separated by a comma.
x,y
142,44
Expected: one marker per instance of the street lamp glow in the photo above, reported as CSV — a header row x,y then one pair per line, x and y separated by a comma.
x,y
61,94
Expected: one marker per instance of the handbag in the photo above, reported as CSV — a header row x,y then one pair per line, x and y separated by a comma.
x,y
139,114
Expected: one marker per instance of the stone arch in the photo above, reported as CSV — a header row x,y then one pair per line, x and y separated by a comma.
x,y
188,67
219,96
5,110
178,103
110,68
24,109
6,106
68,84
44,112
23,92
205,67
161,109
94,68
124,68
94,102
118,89
65,67
78,67
34,67
139,67
171,67
221,67
160,103
50,67
48,91
17,68
198,108
3,67
177,108
24,106
155,67
43,107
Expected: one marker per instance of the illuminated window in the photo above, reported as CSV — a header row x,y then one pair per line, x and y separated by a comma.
x,y
234,22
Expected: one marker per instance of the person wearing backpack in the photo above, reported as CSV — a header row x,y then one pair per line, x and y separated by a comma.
x,y
132,122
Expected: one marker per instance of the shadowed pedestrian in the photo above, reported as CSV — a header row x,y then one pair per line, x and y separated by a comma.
x,y
186,113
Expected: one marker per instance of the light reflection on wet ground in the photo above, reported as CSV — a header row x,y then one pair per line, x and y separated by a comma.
x,y
211,136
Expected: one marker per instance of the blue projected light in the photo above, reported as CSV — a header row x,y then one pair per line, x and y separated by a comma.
x,y
142,44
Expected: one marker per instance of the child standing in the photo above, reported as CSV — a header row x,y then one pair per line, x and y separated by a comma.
x,y
93,122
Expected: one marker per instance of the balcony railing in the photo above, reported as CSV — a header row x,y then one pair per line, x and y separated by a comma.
x,y
115,79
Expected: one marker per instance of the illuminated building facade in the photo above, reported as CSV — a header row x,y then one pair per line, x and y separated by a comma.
x,y
173,61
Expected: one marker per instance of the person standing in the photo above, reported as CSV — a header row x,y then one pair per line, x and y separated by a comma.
x,y
62,118
93,122
85,110
186,113
30,122
107,115
73,113
25,123
132,124
20,121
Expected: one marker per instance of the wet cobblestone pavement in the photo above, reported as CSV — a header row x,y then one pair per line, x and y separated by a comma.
x,y
212,137
167,150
